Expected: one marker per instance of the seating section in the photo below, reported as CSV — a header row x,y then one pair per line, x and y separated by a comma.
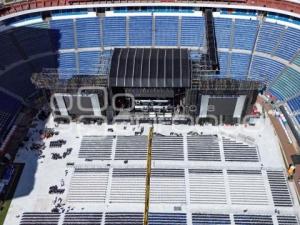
x,y
66,65
9,52
268,37
167,186
215,219
40,218
207,187
96,147
223,29
65,33
128,185
264,69
239,66
35,40
192,31
166,31
88,32
140,31
245,32
237,151
287,83
166,218
279,188
123,218
114,31
294,103
82,218
253,220
247,187
167,148
223,60
9,108
131,148
203,148
289,44
17,80
88,185
287,220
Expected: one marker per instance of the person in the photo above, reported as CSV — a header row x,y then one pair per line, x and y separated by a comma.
x,y
291,171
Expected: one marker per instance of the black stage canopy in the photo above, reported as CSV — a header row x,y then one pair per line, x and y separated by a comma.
x,y
150,68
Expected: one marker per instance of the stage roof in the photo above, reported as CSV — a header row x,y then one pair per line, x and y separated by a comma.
x,y
150,67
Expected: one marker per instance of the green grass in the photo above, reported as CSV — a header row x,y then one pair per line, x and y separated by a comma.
x,y
10,194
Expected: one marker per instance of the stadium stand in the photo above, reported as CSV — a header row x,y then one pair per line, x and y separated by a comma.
x,y
114,31
223,60
166,31
289,44
66,33
287,83
192,31
245,32
9,110
265,69
140,31
66,65
17,80
239,65
294,103
223,29
90,26
268,37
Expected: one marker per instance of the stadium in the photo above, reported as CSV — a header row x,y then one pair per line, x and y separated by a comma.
x,y
149,112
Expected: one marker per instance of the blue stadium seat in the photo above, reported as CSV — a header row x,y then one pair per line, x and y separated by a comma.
x,y
114,31
140,31
65,34
245,32
192,31
223,60
239,65
66,65
288,83
289,44
223,28
166,30
88,32
268,37
265,69
294,103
